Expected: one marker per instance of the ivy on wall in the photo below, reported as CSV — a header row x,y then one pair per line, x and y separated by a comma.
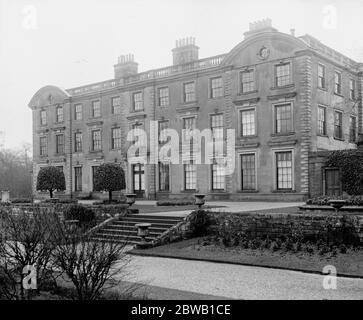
x,y
350,164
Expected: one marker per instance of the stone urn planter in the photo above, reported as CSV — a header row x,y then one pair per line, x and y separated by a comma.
x,y
130,198
143,232
337,204
5,196
199,200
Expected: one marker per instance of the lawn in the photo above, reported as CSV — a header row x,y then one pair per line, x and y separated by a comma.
x,y
348,264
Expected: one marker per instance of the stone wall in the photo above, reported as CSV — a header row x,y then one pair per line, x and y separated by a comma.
x,y
277,225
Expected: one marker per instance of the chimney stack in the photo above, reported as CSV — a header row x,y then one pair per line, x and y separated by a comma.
x,y
260,26
126,66
292,32
185,51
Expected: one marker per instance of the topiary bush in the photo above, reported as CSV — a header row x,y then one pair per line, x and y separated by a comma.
x,y
350,164
50,179
109,177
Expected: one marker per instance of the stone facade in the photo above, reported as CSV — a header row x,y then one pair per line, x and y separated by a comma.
x,y
263,51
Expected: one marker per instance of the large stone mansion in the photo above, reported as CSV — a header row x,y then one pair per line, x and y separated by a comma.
x,y
285,96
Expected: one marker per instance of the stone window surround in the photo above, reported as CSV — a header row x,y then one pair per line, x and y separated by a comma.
x,y
325,107
247,69
91,113
75,111
325,74
283,149
132,101
210,87
335,111
282,102
239,168
183,91
158,95
288,61
111,137
112,106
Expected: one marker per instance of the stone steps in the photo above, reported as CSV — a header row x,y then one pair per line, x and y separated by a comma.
x,y
124,230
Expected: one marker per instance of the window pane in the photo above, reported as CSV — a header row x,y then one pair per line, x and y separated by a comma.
x,y
96,109
283,120
116,105
43,146
321,121
284,170
282,74
217,126
321,76
248,126
163,96
59,143
78,179
96,140
216,87
78,142
338,80
248,81
162,126
138,101
116,138
190,176
59,114
338,130
43,117
248,172
218,177
78,112
189,92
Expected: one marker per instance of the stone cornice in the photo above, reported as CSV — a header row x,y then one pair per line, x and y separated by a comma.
x,y
132,116
239,100
288,95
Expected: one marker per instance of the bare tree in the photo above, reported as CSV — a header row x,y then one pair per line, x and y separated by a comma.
x,y
27,240
92,266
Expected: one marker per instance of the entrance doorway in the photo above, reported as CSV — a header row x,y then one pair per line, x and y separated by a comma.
x,y
138,174
332,182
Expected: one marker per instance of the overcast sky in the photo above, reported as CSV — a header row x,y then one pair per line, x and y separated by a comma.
x,y
72,43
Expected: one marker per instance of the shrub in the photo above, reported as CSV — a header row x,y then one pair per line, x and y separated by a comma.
x,y
81,213
351,168
175,202
342,248
199,223
21,200
50,179
324,200
64,201
109,177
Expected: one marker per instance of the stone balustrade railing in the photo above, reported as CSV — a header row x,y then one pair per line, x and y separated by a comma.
x,y
152,74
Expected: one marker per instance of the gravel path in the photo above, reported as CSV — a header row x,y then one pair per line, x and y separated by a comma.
x,y
237,282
